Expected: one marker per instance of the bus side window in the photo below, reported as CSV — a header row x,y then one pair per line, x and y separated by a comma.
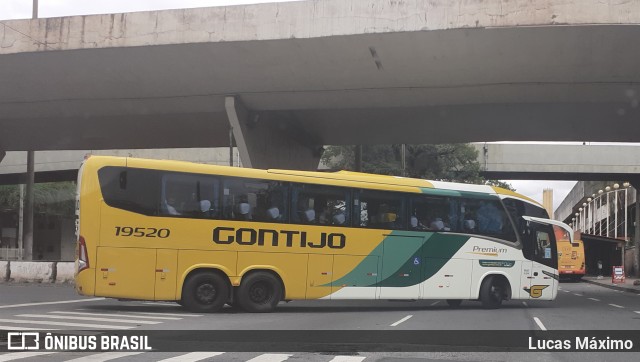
x,y
382,210
322,205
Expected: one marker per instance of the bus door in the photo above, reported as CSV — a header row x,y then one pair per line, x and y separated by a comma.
x,y
402,265
166,272
539,270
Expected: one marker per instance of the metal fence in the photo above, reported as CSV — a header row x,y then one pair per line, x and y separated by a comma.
x,y
10,254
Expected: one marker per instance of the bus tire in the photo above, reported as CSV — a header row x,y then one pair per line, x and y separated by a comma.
x,y
454,303
205,292
259,292
492,292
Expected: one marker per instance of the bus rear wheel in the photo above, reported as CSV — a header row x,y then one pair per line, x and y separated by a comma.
x,y
492,292
259,292
205,292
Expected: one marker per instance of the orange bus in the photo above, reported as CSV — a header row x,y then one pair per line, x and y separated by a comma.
x,y
571,259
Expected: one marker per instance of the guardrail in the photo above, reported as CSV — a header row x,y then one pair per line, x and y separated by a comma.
x,y
36,271
10,254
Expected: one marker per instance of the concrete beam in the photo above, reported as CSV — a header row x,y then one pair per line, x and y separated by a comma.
x,y
272,139
568,162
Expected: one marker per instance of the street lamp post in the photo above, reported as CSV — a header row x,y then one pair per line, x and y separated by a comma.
x,y
608,208
600,212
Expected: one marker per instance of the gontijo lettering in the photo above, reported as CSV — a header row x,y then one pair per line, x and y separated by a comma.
x,y
249,236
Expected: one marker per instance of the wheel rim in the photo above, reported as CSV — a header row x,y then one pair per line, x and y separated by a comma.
x,y
496,293
206,293
260,293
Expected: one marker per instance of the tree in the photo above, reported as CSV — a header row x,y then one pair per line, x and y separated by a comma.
x,y
53,198
445,162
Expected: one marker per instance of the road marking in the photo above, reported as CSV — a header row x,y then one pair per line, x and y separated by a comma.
x,y
434,303
134,321
347,359
52,323
116,315
20,355
165,314
594,299
636,311
105,356
270,357
14,328
579,295
566,291
525,304
400,321
47,303
539,323
192,357
615,305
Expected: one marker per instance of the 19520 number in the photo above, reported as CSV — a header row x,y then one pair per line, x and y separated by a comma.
x,y
142,232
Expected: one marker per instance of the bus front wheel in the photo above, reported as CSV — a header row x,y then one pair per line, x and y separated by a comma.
x,y
259,292
492,292
205,292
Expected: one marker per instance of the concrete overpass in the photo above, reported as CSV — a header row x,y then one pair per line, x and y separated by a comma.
x,y
290,77
559,162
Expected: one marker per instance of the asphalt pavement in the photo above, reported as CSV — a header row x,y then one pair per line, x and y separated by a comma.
x,y
579,307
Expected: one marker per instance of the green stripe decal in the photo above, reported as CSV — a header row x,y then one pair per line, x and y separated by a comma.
x,y
454,193
409,258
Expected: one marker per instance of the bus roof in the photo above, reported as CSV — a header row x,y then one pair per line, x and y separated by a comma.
x,y
337,178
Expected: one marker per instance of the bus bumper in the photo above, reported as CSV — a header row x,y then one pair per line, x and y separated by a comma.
x,y
85,282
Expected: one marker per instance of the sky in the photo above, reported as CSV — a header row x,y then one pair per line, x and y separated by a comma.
x,y
21,9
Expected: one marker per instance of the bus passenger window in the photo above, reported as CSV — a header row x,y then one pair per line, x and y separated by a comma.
x,y
322,205
382,210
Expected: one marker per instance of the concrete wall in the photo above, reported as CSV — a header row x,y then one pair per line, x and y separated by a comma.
x,y
36,272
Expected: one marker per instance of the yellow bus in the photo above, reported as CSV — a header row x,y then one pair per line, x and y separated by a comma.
x,y
205,236
571,259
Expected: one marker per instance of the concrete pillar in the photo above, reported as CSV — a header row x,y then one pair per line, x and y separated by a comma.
x,y
636,234
358,161
27,235
271,139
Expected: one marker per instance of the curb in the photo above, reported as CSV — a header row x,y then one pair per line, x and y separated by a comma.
x,y
615,287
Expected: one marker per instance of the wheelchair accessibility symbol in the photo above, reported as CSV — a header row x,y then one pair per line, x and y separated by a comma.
x,y
416,261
